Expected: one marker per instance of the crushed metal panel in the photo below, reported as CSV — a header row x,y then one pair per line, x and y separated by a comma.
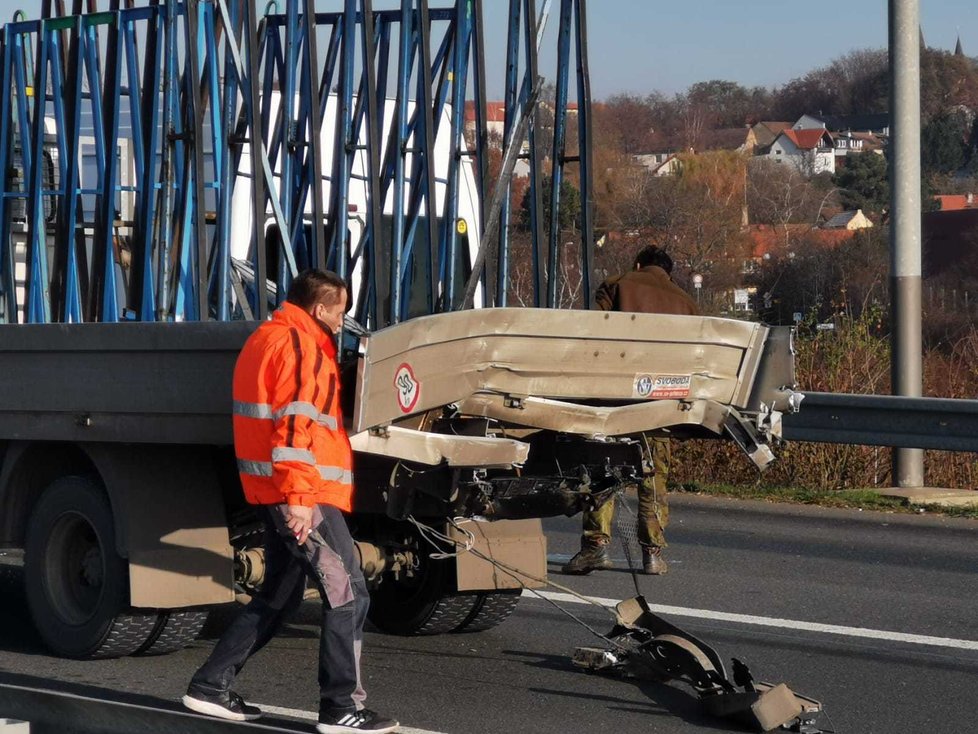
x,y
433,448
437,360
520,544
748,372
588,420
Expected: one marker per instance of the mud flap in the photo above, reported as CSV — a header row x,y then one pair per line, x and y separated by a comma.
x,y
519,544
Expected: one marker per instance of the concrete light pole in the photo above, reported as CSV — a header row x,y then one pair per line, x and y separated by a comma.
x,y
905,259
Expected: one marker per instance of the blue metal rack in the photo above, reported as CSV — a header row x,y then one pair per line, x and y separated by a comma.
x,y
189,87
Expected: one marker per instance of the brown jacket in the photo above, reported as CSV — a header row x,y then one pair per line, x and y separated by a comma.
x,y
649,290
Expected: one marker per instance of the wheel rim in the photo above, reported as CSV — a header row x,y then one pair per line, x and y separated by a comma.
x,y
74,569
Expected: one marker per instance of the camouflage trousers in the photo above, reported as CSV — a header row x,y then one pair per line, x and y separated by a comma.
x,y
653,503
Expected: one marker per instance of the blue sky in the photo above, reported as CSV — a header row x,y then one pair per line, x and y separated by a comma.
x,y
643,45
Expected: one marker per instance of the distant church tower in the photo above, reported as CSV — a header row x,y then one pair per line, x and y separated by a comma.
x,y
958,51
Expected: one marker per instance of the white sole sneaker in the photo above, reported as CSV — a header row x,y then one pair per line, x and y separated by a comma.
x,y
216,710
337,729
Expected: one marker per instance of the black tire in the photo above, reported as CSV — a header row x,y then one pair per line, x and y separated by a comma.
x,y
492,609
77,585
423,605
175,629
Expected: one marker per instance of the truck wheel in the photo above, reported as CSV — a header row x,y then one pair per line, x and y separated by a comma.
x,y
493,608
77,584
175,629
422,605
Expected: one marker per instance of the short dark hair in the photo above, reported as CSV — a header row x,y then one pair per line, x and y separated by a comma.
x,y
316,286
652,255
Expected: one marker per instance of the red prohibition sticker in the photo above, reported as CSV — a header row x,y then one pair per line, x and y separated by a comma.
x,y
408,388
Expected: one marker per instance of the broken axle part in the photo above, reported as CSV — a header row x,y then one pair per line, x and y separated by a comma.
x,y
646,646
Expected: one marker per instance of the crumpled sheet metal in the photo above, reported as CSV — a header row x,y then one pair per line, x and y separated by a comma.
x,y
433,448
588,420
438,360
763,706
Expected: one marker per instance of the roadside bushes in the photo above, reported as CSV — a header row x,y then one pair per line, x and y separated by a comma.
x,y
852,358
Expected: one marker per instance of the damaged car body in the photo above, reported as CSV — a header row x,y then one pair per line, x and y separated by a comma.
x,y
537,417
498,414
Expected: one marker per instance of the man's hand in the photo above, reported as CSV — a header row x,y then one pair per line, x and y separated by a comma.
x,y
299,520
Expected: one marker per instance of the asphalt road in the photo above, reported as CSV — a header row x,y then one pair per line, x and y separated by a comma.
x,y
872,614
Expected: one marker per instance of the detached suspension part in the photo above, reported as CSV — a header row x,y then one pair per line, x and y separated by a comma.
x,y
647,646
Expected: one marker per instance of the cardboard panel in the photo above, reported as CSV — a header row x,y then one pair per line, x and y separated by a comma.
x,y
519,544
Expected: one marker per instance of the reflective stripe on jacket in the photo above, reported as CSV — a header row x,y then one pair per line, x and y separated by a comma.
x,y
288,431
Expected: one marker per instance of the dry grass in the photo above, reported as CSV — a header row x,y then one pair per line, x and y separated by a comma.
x,y
853,359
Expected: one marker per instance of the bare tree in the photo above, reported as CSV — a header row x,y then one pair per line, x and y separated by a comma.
x,y
779,195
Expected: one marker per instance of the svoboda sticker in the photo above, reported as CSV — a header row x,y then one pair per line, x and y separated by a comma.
x,y
407,387
656,387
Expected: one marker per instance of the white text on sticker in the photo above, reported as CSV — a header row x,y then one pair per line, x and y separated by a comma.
x,y
657,387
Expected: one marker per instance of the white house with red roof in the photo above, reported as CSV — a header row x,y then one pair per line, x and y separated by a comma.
x,y
811,151
496,127
495,117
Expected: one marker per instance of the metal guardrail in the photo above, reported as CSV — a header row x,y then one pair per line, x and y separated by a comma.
x,y
884,420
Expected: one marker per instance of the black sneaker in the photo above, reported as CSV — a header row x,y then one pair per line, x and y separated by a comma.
x,y
228,705
354,721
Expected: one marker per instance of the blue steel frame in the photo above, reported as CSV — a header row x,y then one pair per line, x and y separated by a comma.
x,y
190,85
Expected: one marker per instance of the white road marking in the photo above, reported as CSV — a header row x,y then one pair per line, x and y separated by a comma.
x,y
311,716
831,629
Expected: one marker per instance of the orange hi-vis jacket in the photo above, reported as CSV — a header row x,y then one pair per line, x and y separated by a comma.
x,y
288,431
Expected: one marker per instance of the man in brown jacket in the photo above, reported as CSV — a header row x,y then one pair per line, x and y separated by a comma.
x,y
648,288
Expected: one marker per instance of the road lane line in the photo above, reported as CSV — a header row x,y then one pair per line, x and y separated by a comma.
x,y
831,629
310,716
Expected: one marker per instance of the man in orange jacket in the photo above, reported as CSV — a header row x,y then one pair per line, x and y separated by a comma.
x,y
295,464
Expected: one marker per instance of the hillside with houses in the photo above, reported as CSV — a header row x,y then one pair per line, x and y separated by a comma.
x,y
762,193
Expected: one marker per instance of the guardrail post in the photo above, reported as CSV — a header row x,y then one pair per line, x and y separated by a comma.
x,y
905,270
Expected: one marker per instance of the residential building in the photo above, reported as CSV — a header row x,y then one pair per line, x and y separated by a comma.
x,y
495,118
769,241
956,202
762,134
851,220
949,241
811,151
659,164
662,159
849,143
496,127
878,123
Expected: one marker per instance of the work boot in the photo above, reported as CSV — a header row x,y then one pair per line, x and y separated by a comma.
x,y
652,561
593,556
